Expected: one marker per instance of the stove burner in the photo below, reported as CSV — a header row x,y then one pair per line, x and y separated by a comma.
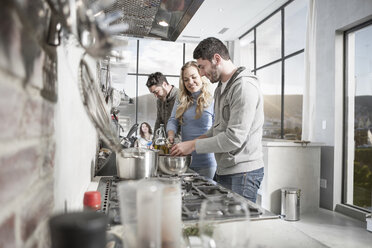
x,y
195,189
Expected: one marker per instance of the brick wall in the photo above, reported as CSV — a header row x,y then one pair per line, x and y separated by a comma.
x,y
29,144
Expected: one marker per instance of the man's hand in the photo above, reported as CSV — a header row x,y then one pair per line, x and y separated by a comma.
x,y
183,148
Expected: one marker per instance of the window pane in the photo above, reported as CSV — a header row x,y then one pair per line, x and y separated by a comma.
x,y
269,40
294,81
295,26
359,164
129,53
147,101
270,78
247,51
127,107
189,50
163,56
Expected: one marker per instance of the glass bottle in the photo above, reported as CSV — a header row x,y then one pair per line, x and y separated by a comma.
x,y
161,140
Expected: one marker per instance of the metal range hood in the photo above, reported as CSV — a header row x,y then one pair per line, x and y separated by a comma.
x,y
143,17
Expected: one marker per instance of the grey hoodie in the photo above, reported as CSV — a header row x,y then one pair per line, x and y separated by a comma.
x,y
236,136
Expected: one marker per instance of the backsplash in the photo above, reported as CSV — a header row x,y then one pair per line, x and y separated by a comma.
x,y
47,142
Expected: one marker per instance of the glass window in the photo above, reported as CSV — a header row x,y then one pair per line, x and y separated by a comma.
x,y
127,107
129,54
269,40
163,56
359,118
189,50
147,101
295,26
270,79
294,81
247,51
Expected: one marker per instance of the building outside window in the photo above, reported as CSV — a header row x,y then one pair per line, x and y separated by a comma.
x,y
274,51
358,117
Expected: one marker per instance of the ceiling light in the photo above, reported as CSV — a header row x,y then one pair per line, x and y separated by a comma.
x,y
163,23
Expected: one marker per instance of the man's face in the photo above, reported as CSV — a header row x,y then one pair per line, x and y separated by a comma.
x,y
159,91
209,69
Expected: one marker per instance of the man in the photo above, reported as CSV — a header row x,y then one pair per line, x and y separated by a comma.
x,y
236,135
166,94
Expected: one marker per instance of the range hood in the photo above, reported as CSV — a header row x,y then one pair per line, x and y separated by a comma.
x,y
143,17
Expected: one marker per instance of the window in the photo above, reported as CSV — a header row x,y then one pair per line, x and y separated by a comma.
x,y
274,50
138,104
358,116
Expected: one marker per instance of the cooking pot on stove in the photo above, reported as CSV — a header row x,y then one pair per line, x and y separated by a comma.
x,y
174,165
137,163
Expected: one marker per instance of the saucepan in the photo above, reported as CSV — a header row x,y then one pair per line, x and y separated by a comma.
x,y
137,163
174,165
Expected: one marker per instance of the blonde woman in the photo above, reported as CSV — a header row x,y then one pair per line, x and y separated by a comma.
x,y
193,113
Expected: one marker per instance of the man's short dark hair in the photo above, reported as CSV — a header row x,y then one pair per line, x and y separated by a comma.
x,y
157,79
210,46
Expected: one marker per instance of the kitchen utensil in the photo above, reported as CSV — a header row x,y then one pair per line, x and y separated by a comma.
x,y
129,141
137,163
174,165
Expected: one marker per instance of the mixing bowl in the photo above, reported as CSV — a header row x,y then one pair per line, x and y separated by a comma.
x,y
173,165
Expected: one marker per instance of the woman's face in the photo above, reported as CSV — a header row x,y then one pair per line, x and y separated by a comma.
x,y
192,80
144,128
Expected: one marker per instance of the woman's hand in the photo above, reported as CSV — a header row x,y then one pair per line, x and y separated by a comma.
x,y
171,139
183,148
170,135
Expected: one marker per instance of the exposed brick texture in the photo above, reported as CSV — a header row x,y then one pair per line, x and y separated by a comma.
x,y
7,233
17,172
37,118
10,40
37,209
11,102
48,156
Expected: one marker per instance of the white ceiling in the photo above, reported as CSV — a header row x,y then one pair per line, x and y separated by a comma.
x,y
236,15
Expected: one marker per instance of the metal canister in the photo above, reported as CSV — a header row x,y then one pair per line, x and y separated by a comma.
x,y
290,209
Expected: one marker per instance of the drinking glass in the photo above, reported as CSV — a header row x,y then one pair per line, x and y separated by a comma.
x,y
127,195
224,223
171,214
140,212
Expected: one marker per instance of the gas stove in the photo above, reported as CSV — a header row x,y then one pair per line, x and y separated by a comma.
x,y
195,189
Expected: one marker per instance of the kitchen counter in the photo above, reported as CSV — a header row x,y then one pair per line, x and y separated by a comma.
x,y
323,228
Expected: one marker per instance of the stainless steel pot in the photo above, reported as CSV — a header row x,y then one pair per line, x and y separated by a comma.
x,y
137,163
174,165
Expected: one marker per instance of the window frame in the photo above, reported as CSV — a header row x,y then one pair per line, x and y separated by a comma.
x,y
346,178
281,60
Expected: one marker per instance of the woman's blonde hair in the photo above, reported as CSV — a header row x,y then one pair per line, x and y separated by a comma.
x,y
186,99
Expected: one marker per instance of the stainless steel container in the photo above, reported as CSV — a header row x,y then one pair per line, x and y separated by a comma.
x,y
290,209
137,163
174,165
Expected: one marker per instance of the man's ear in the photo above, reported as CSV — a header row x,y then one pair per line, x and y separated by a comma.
x,y
216,59
164,84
